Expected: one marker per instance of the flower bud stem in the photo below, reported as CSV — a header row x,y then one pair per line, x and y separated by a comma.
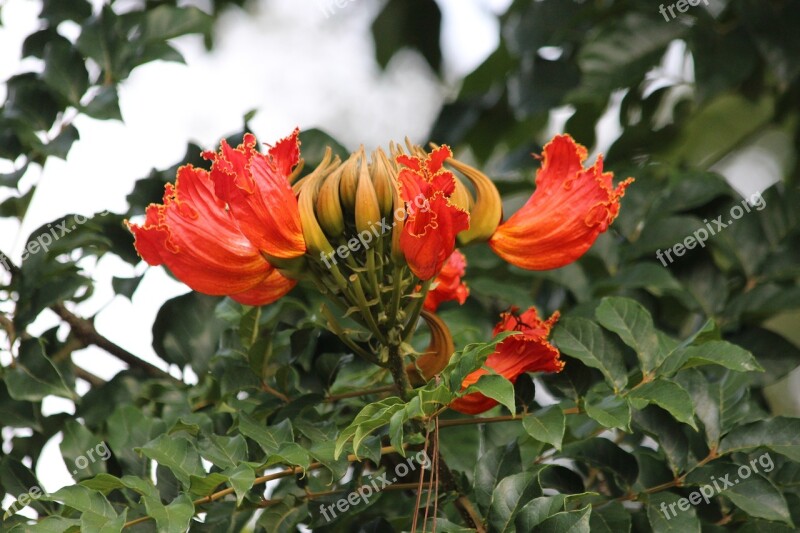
x,y
361,302
415,308
397,289
372,275
337,330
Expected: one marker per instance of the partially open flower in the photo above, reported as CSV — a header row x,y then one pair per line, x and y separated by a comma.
x,y
430,231
527,351
448,285
569,209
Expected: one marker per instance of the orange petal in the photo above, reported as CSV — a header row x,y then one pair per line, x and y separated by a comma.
x,y
429,235
569,209
448,285
436,356
257,190
528,351
197,239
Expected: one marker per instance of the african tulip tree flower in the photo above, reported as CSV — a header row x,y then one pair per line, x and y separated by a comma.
x,y
569,209
215,228
429,236
376,234
528,351
448,285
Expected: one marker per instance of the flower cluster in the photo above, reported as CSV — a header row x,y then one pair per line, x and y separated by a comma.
x,y
252,226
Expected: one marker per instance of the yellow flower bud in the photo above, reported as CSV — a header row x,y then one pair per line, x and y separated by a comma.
x,y
462,198
316,242
398,222
329,208
368,212
348,183
383,175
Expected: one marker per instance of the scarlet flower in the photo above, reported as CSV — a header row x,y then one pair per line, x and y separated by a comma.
x,y
527,351
448,285
570,207
214,228
429,234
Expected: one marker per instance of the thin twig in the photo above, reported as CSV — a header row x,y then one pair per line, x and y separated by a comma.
x,y
357,393
263,479
87,376
85,331
493,419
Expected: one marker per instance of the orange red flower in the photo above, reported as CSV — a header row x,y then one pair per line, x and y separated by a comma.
x,y
528,351
448,285
571,206
214,229
429,234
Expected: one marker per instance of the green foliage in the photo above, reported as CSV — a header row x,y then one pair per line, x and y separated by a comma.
x,y
665,387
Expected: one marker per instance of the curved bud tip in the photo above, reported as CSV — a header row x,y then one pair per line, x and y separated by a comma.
x,y
368,212
486,211
438,353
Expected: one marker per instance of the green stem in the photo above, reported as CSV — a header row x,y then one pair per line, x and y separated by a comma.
x,y
398,369
416,309
373,276
397,288
361,301
337,330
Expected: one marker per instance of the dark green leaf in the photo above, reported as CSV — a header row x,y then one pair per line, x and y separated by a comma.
x,y
780,434
585,340
669,396
634,325
546,425
408,23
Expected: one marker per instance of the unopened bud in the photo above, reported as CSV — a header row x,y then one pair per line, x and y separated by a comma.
x,y
383,178
316,241
368,211
329,207
461,197
349,183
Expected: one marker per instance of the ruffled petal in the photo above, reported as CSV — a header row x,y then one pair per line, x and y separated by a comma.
x,y
256,188
197,239
448,285
528,351
570,207
429,236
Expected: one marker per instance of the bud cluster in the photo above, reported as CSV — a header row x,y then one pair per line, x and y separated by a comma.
x,y
353,215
